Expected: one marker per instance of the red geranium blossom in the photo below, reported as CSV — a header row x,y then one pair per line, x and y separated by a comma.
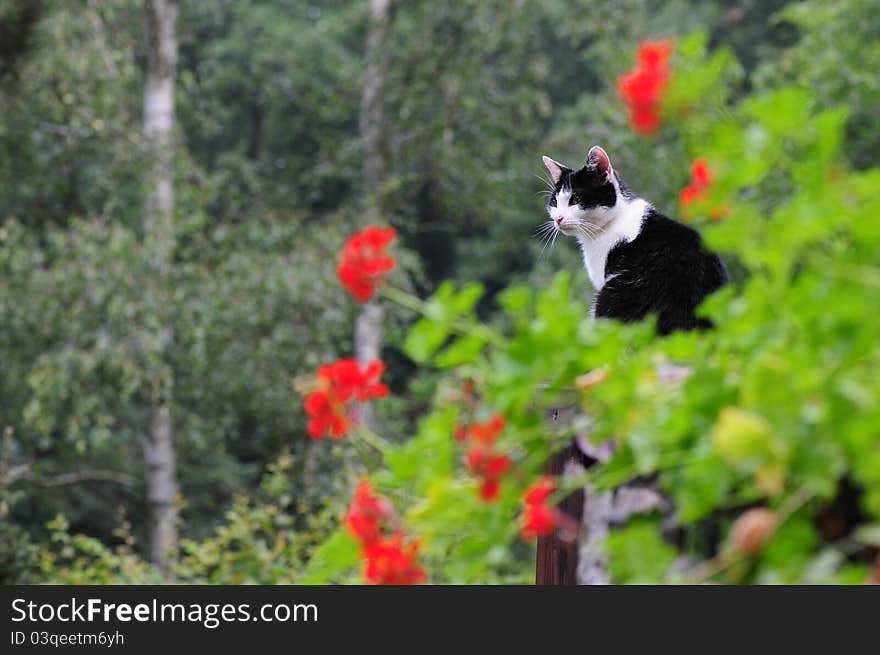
x,y
363,262
490,490
339,384
485,463
701,181
489,466
387,559
367,514
642,87
654,54
390,561
489,431
326,414
482,459
539,519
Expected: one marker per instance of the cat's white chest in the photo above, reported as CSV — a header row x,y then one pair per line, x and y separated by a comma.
x,y
625,225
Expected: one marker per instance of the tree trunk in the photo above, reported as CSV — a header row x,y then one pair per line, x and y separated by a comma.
x,y
368,327
372,116
158,444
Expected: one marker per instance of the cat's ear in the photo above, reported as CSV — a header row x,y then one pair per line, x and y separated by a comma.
x,y
597,159
554,167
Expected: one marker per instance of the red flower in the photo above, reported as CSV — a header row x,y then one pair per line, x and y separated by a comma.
x,y
540,520
339,384
326,415
689,195
482,459
539,491
654,54
642,87
700,174
387,560
645,119
367,514
390,561
485,463
488,432
363,262
701,182
489,490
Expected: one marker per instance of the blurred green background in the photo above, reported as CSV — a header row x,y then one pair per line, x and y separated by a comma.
x,y
268,171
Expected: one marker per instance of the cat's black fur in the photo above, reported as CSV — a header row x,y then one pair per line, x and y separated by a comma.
x,y
664,271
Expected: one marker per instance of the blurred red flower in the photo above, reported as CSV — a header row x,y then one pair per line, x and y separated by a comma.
x,y
488,432
391,562
701,181
326,415
387,559
539,519
642,87
489,466
482,459
490,490
363,262
340,383
654,54
367,514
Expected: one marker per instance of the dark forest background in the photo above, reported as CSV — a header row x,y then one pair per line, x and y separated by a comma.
x,y
269,178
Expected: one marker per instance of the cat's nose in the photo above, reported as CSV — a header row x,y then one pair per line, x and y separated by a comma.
x,y
558,220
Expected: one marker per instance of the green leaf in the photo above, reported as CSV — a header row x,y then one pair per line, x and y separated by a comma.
x,y
336,556
424,339
464,350
637,553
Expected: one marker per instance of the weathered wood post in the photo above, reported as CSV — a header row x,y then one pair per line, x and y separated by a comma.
x,y
557,560
583,561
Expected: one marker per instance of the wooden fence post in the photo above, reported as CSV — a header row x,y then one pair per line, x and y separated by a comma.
x,y
557,560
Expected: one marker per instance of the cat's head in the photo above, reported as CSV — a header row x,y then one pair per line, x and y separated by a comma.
x,y
583,200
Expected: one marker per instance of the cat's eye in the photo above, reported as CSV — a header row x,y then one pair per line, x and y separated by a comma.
x,y
575,199
552,201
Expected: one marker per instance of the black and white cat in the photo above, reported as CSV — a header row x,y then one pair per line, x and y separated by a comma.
x,y
640,261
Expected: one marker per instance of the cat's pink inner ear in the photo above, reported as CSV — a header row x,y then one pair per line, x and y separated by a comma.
x,y
599,158
554,168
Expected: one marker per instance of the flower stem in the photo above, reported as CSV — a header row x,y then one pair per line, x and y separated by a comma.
x,y
369,437
457,324
403,298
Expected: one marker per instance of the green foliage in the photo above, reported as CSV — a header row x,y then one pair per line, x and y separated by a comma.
x,y
837,40
779,402
79,559
257,544
637,554
778,405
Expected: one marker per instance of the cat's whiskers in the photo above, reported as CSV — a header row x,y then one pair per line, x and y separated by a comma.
x,y
588,230
551,187
547,233
553,242
547,180
544,229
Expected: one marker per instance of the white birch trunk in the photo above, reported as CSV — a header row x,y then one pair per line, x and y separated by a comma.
x,y
158,444
368,332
